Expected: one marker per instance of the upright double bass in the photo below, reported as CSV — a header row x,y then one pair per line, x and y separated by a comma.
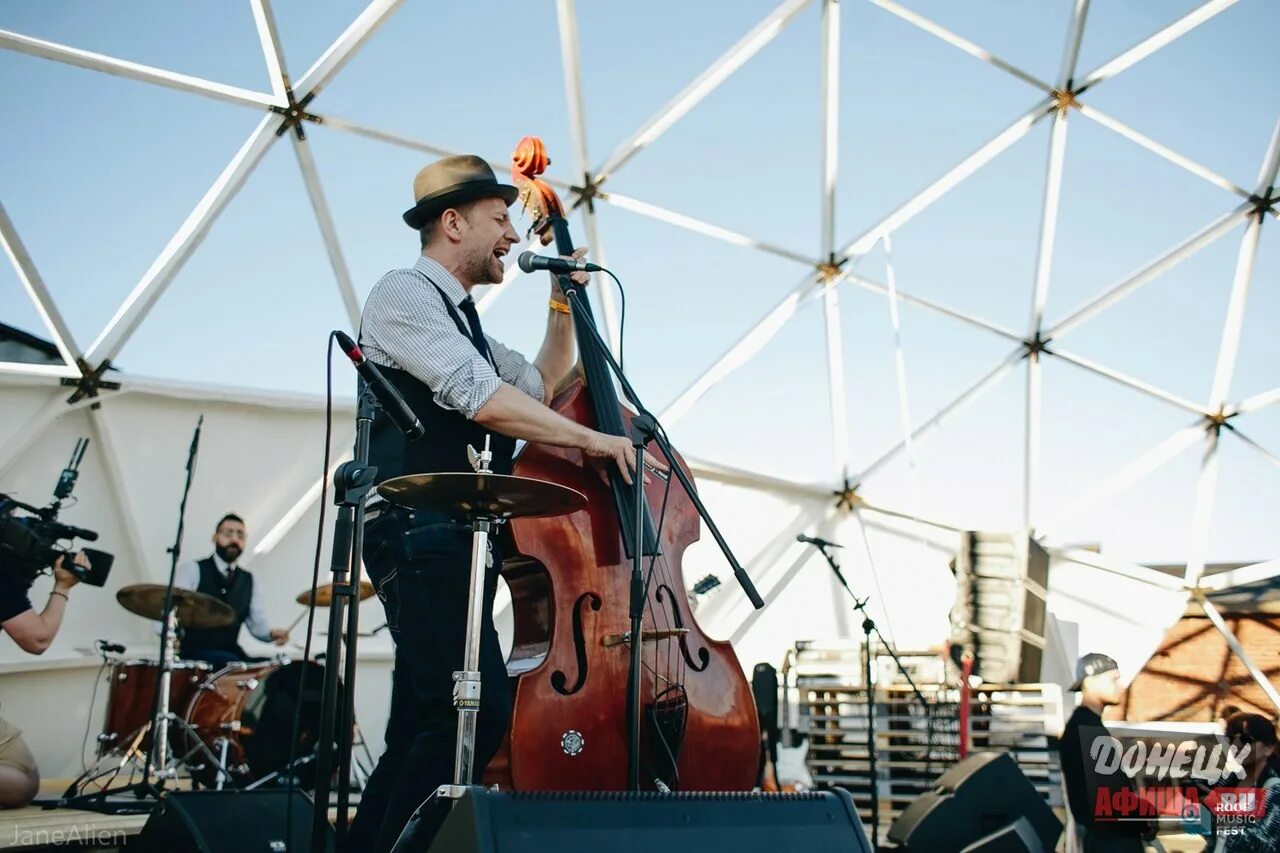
x,y
569,579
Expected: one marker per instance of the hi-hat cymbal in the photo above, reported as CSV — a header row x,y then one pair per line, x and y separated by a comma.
x,y
324,594
193,609
493,495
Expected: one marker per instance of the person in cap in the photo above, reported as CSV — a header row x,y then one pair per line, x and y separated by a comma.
x,y
421,327
1098,682
1263,832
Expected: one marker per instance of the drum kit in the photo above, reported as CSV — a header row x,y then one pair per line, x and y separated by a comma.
x,y
235,723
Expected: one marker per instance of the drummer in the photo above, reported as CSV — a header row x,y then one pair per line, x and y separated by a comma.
x,y
220,575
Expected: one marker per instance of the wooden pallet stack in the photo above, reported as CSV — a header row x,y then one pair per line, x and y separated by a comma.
x,y
916,743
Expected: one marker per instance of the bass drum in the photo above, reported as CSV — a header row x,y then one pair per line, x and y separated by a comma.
x,y
248,708
132,692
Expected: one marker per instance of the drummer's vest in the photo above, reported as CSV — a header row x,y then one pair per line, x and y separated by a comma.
x,y
443,447
236,591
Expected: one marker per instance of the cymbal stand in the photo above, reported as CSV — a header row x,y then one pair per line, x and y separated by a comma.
x,y
466,687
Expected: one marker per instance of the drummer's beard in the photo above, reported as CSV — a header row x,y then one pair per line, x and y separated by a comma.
x,y
228,553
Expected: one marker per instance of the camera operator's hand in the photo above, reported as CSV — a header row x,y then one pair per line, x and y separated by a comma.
x,y
34,632
63,579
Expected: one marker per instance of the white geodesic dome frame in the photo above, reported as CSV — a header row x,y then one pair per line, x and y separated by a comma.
x,y
291,106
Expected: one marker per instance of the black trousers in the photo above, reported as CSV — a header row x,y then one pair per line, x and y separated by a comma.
x,y
419,563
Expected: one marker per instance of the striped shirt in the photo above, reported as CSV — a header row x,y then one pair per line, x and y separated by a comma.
x,y
406,325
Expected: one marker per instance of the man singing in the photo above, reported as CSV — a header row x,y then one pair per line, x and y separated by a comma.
x,y
421,326
219,575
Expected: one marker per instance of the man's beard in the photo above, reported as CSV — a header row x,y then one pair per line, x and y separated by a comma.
x,y
480,268
228,553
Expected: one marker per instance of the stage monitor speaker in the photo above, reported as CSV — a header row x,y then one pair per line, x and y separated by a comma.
x,y
1017,837
982,794
500,822
1002,581
221,821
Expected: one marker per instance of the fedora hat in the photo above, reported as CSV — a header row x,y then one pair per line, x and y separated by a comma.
x,y
452,181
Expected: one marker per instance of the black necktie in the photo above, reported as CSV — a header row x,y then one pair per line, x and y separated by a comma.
x,y
477,334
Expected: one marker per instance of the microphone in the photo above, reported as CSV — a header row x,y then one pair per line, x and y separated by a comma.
x,y
104,646
529,262
392,403
813,540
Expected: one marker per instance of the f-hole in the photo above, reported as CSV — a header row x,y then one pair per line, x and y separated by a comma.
x,y
558,678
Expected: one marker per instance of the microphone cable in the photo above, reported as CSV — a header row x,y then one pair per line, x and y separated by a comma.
x,y
311,608
622,320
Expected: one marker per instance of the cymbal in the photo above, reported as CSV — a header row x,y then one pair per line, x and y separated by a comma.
x,y
193,609
472,494
324,594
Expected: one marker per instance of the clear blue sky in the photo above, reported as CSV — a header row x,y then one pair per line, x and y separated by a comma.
x,y
97,172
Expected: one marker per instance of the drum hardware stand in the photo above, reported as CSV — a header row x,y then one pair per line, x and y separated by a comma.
x,y
77,786
74,796
466,682
466,686
275,774
223,745
361,768
351,485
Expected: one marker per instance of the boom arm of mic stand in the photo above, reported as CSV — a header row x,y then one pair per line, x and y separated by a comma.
x,y
573,290
860,606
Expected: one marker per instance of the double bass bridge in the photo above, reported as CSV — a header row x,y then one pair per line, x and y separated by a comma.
x,y
650,636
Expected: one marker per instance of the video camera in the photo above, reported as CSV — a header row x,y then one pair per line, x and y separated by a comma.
x,y
30,543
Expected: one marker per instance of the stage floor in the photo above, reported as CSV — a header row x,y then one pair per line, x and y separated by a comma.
x,y
35,828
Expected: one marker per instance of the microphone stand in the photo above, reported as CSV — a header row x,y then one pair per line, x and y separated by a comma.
x,y
645,428
160,740
351,485
159,752
868,628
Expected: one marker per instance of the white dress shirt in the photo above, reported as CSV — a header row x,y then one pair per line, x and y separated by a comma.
x,y
406,325
188,577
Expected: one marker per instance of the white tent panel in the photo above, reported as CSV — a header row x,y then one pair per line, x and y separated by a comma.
x,y
979,265
760,399
213,43
49,172
1095,602
1259,346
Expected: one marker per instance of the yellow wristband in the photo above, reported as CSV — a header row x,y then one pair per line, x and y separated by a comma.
x,y
562,307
